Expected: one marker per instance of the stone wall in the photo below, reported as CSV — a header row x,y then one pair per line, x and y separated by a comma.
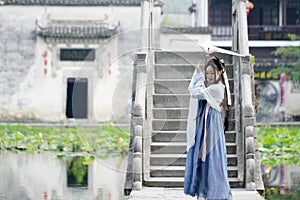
x,y
30,94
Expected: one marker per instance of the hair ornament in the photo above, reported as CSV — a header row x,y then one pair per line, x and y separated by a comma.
x,y
221,67
219,63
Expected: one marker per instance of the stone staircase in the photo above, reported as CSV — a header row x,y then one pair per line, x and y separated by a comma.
x,y
164,164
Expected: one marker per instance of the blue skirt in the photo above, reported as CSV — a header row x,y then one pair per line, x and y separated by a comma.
x,y
208,179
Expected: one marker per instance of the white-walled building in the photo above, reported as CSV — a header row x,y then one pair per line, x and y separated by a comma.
x,y
65,60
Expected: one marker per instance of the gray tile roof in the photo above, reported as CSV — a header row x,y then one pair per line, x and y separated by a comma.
x,y
78,2
68,29
188,30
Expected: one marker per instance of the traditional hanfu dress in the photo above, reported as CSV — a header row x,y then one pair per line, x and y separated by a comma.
x,y
206,163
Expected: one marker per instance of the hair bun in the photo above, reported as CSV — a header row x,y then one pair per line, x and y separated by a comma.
x,y
219,63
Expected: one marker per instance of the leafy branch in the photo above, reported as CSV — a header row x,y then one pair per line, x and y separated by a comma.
x,y
292,68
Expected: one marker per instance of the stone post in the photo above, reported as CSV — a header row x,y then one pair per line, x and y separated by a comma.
x,y
144,25
250,158
138,119
202,13
135,158
248,122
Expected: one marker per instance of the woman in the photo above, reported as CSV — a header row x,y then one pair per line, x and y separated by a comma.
x,y
206,163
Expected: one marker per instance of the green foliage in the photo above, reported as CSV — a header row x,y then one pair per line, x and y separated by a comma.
x,y
279,145
290,52
295,195
96,141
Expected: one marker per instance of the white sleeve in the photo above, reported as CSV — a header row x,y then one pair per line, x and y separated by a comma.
x,y
196,84
214,94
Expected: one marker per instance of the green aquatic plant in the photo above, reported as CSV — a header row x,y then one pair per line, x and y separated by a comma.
x,y
279,145
96,141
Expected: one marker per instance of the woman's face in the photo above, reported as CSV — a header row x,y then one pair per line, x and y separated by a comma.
x,y
211,75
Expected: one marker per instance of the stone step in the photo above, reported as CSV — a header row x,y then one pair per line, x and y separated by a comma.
x,y
173,71
180,147
232,112
180,159
181,125
232,160
178,79
179,113
170,113
177,101
167,171
171,100
181,71
178,182
167,159
178,86
184,57
168,147
180,136
169,136
164,182
171,86
166,114
230,136
169,124
178,171
231,124
231,85
174,118
155,193
231,148
165,57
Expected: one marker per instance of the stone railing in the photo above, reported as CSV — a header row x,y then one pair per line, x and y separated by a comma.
x,y
248,121
134,166
253,180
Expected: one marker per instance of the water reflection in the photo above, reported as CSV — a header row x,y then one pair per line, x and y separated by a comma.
x,y
77,172
268,101
46,177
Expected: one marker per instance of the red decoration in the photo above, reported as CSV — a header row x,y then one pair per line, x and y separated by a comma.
x,y
45,54
109,196
45,196
249,6
109,62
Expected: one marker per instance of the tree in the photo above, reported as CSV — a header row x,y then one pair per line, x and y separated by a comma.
x,y
291,56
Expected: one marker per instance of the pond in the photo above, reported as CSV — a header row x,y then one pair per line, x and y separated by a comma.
x,y
48,177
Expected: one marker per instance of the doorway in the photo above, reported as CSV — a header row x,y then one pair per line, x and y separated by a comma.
x,y
77,98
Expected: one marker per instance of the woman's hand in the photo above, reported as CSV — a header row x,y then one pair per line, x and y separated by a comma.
x,y
198,68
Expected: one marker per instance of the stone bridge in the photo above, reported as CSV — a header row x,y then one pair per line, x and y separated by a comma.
x,y
160,102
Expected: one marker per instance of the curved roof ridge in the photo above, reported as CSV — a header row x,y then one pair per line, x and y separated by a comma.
x,y
77,30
